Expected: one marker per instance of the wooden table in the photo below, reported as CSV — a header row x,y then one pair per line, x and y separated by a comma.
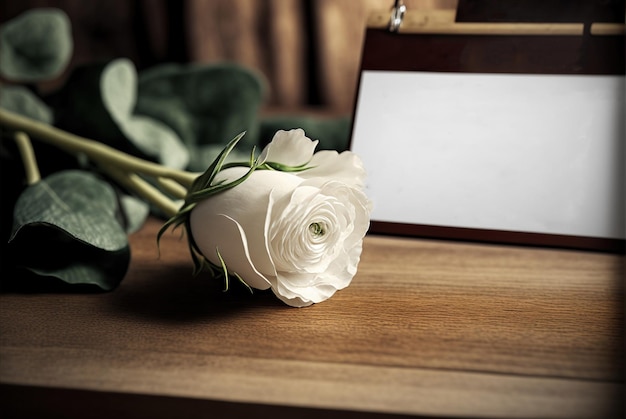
x,y
427,328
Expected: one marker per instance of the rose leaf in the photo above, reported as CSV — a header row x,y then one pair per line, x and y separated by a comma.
x,y
65,226
36,45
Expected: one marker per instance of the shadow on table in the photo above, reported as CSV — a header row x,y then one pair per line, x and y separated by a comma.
x,y
172,294
166,292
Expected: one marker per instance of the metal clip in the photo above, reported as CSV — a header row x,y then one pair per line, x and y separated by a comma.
x,y
397,14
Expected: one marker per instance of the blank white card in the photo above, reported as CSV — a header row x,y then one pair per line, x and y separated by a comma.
x,y
513,152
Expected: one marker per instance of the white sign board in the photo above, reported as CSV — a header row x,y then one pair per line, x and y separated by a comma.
x,y
517,139
529,153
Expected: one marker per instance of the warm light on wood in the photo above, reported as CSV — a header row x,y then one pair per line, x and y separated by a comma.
x,y
426,328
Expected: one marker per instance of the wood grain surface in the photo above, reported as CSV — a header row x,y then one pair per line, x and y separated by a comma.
x,y
427,328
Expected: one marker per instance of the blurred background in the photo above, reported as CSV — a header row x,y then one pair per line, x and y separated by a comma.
x,y
307,50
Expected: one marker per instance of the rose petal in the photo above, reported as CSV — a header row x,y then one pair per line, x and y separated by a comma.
x,y
326,165
294,302
305,274
302,296
248,204
227,236
290,148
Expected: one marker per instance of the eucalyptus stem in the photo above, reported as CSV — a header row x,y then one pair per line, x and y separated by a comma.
x,y
173,188
29,160
144,189
98,152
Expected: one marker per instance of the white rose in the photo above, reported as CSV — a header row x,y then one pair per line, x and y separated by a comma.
x,y
298,233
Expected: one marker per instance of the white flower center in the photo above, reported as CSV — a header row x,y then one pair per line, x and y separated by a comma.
x,y
317,229
307,233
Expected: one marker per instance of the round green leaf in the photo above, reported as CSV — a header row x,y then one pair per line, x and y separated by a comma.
x,y
36,45
119,93
135,212
98,102
206,105
66,226
20,100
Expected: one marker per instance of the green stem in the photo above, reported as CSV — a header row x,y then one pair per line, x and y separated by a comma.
x,y
172,188
96,151
28,157
145,190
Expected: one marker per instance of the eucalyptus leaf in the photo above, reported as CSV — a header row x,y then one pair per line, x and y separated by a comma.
x,y
36,45
154,138
21,100
98,102
135,212
206,105
65,226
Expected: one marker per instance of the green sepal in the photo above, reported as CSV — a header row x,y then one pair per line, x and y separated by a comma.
x,y
243,282
207,177
284,168
224,269
201,189
272,166
204,187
